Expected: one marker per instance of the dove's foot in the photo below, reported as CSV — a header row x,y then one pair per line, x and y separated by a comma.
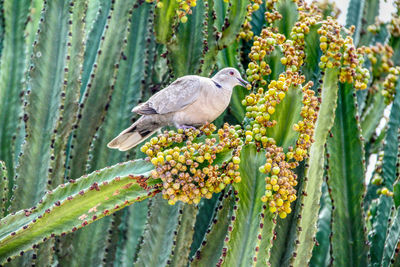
x,y
184,127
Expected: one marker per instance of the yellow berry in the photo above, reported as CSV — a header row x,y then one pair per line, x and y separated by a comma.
x,y
276,170
184,19
271,110
236,160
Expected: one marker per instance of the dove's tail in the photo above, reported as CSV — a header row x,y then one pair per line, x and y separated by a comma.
x,y
135,134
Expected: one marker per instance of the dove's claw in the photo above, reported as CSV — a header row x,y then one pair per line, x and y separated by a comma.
x,y
184,127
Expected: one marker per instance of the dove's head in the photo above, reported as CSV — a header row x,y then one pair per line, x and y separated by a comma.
x,y
229,78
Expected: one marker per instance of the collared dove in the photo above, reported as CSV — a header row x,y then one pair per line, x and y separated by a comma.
x,y
187,102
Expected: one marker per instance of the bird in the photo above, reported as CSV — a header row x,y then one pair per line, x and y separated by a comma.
x,y
190,101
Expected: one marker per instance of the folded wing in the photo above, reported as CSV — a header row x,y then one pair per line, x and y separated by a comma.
x,y
179,94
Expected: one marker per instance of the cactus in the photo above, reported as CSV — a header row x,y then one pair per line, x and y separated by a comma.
x,y
279,179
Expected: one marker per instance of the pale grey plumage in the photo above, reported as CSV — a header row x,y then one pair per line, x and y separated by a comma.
x,y
189,101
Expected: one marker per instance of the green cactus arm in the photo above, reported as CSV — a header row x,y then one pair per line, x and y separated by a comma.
x,y
258,20
42,107
95,233
100,86
94,32
127,90
306,226
379,228
184,236
346,182
32,25
380,225
73,205
165,21
391,151
371,11
372,115
185,50
3,188
267,234
392,240
131,227
226,19
213,242
354,17
236,14
126,94
92,15
313,55
2,26
112,235
242,238
11,78
288,10
157,238
210,36
207,212
70,93
287,113
396,194
321,252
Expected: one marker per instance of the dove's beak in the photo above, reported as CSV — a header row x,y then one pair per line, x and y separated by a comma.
x,y
243,82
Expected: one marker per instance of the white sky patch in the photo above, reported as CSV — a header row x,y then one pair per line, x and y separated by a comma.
x,y
385,10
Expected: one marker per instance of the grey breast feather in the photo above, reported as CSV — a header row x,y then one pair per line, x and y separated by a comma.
x,y
179,94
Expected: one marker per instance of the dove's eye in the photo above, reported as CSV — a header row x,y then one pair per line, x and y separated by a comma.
x,y
231,73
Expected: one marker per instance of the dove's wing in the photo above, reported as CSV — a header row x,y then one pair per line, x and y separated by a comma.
x,y
184,91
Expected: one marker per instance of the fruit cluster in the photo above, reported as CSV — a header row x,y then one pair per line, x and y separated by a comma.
x,y
305,127
339,52
280,180
389,85
263,45
261,105
182,11
189,172
246,33
394,25
380,57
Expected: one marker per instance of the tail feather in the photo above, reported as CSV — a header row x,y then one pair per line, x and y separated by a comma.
x,y
132,136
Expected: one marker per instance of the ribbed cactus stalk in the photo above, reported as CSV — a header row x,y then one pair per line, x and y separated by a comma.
x,y
279,179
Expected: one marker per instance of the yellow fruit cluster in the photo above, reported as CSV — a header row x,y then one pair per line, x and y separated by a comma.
x,y
394,25
380,57
328,7
263,45
309,112
189,172
261,105
341,53
246,33
184,9
280,180
385,191
376,27
389,85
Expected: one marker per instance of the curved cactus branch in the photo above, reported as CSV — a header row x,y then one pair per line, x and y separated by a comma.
x,y
306,227
73,205
346,181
